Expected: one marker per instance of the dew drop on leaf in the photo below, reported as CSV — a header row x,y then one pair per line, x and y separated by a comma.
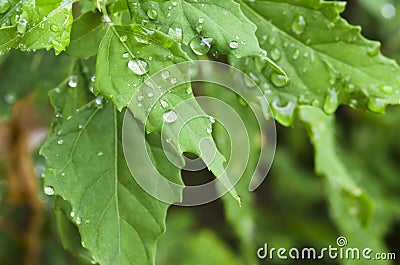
x,y
296,54
21,26
165,74
4,6
106,19
164,103
209,130
48,190
275,54
73,81
54,28
60,142
72,214
278,80
386,89
170,116
331,101
212,119
233,44
123,38
174,80
377,105
175,33
284,114
152,14
298,25
138,66
200,47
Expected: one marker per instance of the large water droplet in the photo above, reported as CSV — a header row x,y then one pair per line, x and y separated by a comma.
x,y
152,14
275,54
331,101
170,116
284,114
48,190
377,105
21,26
298,25
200,46
4,6
386,89
374,50
233,44
73,81
278,80
138,66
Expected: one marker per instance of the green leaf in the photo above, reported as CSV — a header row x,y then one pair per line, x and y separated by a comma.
x,y
327,61
124,45
87,32
118,221
202,24
42,24
327,163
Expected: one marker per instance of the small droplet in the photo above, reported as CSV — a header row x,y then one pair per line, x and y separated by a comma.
x,y
189,90
206,42
150,94
349,87
201,20
278,80
168,140
49,190
209,130
164,103
275,54
73,81
233,44
152,14
374,50
165,74
138,66
100,154
78,220
170,116
140,98
272,40
284,114
331,101
60,142
174,3
212,119
21,26
72,214
386,89
296,54
99,100
93,78
298,25
93,262
174,80
106,19
54,28
123,38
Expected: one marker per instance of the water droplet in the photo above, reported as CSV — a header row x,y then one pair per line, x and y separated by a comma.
x,y
93,262
4,6
174,80
233,44
170,116
278,80
298,25
21,26
72,214
201,20
48,190
284,114
349,87
165,74
388,11
73,81
60,142
140,98
69,117
272,40
296,54
189,90
209,130
386,89
331,101
377,105
106,19
212,119
164,103
100,154
78,220
174,3
63,174
152,14
54,28
330,25
374,50
93,78
150,94
123,38
168,140
275,54
10,98
138,66
175,33
199,46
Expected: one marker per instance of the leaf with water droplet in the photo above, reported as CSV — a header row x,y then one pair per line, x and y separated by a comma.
x,y
114,72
